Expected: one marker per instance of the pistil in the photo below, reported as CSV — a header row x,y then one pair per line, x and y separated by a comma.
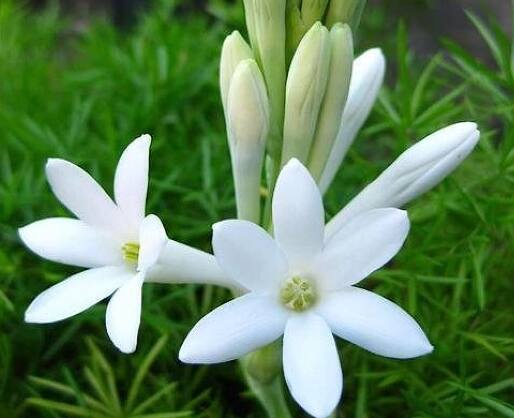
x,y
298,294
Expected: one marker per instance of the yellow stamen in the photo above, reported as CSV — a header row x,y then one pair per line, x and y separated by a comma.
x,y
298,294
130,252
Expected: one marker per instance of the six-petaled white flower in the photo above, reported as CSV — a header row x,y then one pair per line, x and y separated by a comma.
x,y
118,245
301,285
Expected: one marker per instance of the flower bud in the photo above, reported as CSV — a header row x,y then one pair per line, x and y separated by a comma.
x,y
416,171
305,90
329,121
264,365
300,18
367,78
345,11
265,20
248,127
234,50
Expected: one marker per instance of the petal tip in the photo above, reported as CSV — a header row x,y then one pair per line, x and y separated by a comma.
x,y
22,233
376,53
294,162
185,354
428,348
145,138
52,163
143,141
32,316
29,317
221,225
127,350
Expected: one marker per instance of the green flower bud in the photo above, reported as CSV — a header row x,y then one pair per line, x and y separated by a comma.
x,y
234,50
313,11
305,90
329,121
345,11
264,365
248,127
300,18
265,20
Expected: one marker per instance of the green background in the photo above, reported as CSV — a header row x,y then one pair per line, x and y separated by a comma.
x,y
74,86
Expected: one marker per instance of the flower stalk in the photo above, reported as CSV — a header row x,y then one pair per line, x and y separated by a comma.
x,y
261,370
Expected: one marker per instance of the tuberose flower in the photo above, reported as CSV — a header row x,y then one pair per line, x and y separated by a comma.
x,y
120,247
302,285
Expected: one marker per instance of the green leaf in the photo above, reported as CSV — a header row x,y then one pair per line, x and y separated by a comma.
x,y
143,370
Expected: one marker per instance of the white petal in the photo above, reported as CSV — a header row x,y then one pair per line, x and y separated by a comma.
x,y
83,196
234,329
152,240
179,263
123,315
76,294
131,179
367,78
416,171
70,241
311,365
374,323
364,244
248,255
298,215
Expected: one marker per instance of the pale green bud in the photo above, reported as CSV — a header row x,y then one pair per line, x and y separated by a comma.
x,y
345,11
329,121
248,127
313,11
264,365
234,50
265,20
301,15
305,89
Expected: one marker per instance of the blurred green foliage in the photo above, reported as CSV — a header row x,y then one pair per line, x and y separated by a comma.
x,y
83,93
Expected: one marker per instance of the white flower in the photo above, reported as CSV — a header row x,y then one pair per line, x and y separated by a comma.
x,y
118,245
301,285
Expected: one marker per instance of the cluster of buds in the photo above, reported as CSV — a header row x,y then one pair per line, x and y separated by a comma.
x,y
285,92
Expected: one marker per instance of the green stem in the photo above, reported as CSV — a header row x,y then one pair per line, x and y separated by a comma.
x,y
272,171
269,392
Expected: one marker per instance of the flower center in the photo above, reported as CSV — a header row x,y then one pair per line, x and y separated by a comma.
x,y
298,294
130,252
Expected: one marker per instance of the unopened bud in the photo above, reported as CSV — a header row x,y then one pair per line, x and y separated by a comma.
x,y
345,11
416,171
248,127
329,121
300,18
367,78
264,365
234,50
265,20
305,90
